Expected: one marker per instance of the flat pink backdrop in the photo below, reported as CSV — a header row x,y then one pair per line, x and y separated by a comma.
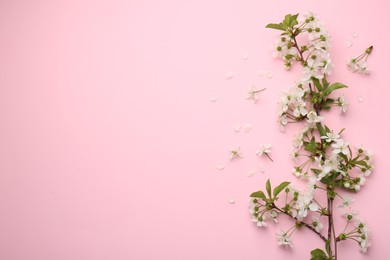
x,y
109,142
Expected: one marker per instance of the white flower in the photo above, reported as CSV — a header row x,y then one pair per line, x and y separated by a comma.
x,y
300,109
260,221
284,239
313,118
304,204
329,165
331,137
297,172
342,103
264,149
253,92
347,201
235,153
340,147
282,122
316,224
351,215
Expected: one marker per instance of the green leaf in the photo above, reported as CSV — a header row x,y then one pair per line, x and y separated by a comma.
x,y
318,254
268,187
327,246
321,129
258,194
290,20
325,83
362,163
317,84
311,147
280,187
333,87
277,26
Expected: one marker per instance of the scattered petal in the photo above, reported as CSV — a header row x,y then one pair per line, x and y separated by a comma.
x,y
261,73
355,35
247,128
220,166
250,173
213,98
270,75
237,128
229,75
262,169
232,200
348,43
245,56
360,99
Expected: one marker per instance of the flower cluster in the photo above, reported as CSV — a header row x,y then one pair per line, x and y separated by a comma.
x,y
315,59
324,159
359,63
358,232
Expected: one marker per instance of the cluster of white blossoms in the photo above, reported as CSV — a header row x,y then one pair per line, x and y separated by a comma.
x,y
315,58
359,63
260,214
339,160
359,232
329,163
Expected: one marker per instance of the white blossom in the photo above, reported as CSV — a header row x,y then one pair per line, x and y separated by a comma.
x,y
340,147
284,239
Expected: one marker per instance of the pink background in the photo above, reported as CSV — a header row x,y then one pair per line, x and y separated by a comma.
x,y
109,141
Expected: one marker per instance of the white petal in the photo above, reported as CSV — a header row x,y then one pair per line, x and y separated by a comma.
x,y
220,166
232,200
213,98
348,43
229,75
250,173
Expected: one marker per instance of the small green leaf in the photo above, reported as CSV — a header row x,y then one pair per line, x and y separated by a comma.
x,y
258,194
290,20
277,26
280,187
325,83
318,254
362,163
317,83
268,187
333,87
321,129
327,246
311,147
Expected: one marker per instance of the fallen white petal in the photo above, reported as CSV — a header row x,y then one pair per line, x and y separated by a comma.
x,y
213,98
229,75
250,173
247,128
220,166
348,43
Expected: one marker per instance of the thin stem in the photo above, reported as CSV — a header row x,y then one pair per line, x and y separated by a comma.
x,y
299,49
302,223
331,229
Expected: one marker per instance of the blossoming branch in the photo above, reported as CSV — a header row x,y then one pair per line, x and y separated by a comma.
x,y
326,161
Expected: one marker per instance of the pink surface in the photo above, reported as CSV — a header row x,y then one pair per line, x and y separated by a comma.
x,y
109,141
